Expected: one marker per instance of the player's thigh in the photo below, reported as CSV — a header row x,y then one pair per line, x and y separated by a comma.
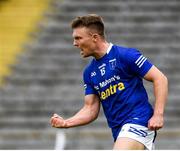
x,y
124,143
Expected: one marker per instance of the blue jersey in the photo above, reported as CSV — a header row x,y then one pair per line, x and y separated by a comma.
x,y
117,79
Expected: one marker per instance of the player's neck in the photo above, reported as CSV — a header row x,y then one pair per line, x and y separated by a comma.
x,y
101,50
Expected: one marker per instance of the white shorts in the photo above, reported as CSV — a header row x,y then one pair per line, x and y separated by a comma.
x,y
139,133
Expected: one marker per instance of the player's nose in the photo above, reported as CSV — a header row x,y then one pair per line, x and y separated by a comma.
x,y
75,43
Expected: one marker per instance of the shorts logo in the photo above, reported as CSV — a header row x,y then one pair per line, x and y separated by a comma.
x,y
138,131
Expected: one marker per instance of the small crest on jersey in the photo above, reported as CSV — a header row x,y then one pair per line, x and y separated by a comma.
x,y
112,63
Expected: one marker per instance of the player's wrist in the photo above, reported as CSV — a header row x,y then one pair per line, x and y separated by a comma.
x,y
159,114
65,124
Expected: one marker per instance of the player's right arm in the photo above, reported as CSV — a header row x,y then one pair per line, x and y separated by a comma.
x,y
87,114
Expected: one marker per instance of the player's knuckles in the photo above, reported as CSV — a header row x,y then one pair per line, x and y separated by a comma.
x,y
58,123
52,121
55,122
153,126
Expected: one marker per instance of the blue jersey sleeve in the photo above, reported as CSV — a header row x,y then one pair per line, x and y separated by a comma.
x,y
88,87
137,62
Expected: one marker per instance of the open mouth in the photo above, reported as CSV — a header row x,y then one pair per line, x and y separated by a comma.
x,y
81,52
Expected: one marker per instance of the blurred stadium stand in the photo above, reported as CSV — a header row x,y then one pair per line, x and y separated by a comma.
x,y
47,77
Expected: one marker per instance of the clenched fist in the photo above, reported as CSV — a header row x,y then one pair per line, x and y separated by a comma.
x,y
57,121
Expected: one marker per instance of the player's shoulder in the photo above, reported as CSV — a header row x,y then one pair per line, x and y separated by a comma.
x,y
122,50
125,52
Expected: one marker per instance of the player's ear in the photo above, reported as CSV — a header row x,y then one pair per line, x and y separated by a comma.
x,y
95,37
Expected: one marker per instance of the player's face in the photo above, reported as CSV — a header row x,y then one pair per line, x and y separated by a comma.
x,y
84,40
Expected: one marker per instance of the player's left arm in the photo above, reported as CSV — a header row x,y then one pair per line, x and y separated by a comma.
x,y
160,84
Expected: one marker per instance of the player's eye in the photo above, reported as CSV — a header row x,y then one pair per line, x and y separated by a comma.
x,y
77,38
